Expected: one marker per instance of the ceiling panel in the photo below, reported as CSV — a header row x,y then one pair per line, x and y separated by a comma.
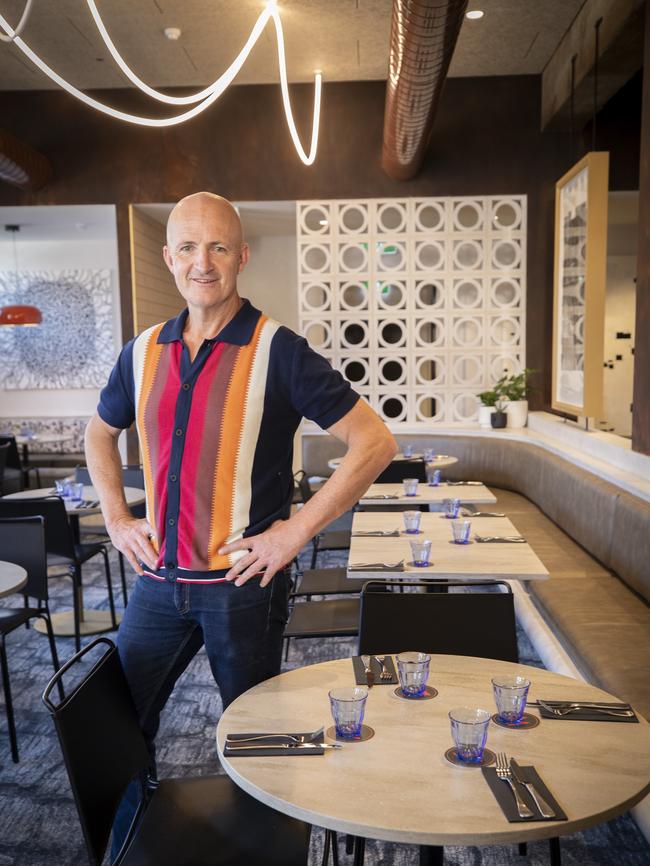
x,y
346,39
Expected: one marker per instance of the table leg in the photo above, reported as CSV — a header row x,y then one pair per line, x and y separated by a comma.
x,y
359,851
432,855
556,854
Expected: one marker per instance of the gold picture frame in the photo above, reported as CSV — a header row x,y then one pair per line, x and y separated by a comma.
x,y
579,286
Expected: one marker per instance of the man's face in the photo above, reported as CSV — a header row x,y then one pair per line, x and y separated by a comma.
x,y
205,252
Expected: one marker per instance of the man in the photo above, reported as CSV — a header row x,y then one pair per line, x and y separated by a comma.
x,y
217,395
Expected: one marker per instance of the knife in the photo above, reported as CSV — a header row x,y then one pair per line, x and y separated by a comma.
x,y
246,747
587,705
544,809
483,514
376,533
370,677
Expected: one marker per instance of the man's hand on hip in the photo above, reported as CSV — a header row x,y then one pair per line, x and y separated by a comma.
x,y
267,553
133,537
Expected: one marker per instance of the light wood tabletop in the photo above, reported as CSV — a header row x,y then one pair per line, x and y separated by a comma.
x,y
134,496
448,560
13,578
426,495
399,787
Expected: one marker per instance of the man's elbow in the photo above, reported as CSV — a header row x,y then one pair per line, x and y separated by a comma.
x,y
389,447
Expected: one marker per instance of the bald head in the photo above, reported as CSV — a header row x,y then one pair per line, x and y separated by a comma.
x,y
200,207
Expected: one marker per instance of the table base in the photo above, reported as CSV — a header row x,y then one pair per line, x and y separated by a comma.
x,y
92,622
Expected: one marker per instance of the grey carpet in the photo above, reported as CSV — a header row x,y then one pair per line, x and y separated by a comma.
x,y
38,822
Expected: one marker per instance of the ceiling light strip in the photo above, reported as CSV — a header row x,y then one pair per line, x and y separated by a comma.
x,y
213,91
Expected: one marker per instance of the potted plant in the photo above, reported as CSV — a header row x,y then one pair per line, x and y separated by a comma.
x,y
515,390
487,407
499,418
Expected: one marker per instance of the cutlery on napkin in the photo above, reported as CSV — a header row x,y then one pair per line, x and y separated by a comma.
x,y
236,746
464,483
483,514
377,566
544,809
376,533
500,539
382,496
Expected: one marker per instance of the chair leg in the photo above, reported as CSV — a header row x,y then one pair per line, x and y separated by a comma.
x,y
8,702
432,855
359,851
314,552
111,600
120,557
556,853
335,848
286,648
523,849
326,847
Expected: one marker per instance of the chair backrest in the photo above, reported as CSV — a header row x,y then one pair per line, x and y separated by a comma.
x,y
302,489
58,536
22,540
103,747
13,457
478,624
398,470
82,475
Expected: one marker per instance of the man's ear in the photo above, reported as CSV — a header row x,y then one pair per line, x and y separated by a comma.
x,y
244,254
169,260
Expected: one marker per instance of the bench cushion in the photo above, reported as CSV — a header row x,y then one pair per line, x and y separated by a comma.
x,y
607,627
631,548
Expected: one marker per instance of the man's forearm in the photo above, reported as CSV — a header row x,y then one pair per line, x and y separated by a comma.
x,y
105,467
362,464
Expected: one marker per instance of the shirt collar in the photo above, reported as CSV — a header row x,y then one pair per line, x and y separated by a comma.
x,y
239,330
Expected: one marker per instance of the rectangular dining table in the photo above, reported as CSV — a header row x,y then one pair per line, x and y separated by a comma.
x,y
474,561
427,495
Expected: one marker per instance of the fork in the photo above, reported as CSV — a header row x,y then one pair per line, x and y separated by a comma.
x,y
385,673
563,711
300,738
505,774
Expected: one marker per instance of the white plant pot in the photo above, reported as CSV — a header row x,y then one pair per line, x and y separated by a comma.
x,y
517,413
484,413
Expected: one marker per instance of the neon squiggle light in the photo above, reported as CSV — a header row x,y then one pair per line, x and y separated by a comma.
x,y
204,98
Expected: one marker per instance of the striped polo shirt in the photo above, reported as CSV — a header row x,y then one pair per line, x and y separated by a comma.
x,y
216,434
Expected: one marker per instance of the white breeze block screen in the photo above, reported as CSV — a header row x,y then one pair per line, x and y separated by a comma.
x,y
419,302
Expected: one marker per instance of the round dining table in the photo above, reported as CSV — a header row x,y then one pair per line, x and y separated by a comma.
x,y
91,621
439,461
399,787
13,578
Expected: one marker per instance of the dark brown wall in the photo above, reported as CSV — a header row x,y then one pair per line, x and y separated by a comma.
x,y
486,141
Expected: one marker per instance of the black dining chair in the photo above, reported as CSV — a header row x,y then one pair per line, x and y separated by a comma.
x,y
132,476
398,470
16,472
203,821
22,541
478,623
62,550
4,449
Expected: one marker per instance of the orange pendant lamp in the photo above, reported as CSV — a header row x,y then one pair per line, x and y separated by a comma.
x,y
19,315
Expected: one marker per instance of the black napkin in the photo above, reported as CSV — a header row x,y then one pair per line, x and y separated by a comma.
x,y
505,798
270,750
587,714
375,667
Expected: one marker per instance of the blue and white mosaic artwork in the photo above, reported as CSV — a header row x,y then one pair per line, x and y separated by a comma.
x,y
73,347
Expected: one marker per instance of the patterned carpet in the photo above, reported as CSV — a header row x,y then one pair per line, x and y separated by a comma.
x,y
38,821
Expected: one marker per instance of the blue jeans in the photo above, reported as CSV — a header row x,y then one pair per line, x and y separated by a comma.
x,y
166,624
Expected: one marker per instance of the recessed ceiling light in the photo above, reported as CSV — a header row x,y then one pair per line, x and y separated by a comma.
x,y
172,33
474,15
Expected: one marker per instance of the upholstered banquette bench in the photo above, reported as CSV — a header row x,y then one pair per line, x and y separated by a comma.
x,y
593,537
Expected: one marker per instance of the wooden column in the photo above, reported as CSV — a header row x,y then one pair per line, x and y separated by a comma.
x,y
641,398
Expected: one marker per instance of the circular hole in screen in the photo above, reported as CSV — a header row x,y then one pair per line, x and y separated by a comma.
x,y
392,333
427,370
429,256
353,218
392,371
429,217
467,294
391,218
317,335
466,406
354,295
505,293
428,407
428,294
391,257
428,332
505,254
315,259
354,258
392,407
468,216
354,334
315,219
390,294
316,296
355,371
505,216
467,255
